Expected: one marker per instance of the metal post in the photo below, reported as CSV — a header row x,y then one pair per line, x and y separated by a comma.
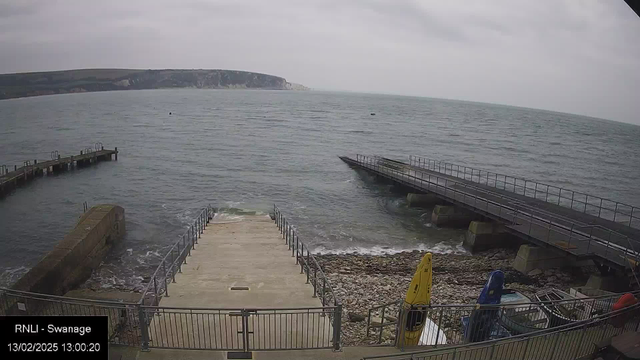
x,y
586,201
315,281
631,216
439,323
173,273
142,321
307,263
384,308
547,195
559,195
302,260
402,320
164,271
179,260
293,244
337,327
193,232
297,248
324,288
155,288
615,212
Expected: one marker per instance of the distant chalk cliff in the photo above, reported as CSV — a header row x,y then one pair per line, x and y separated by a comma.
x,y
85,80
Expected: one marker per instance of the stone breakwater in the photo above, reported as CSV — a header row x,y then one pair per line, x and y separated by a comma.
x,y
364,281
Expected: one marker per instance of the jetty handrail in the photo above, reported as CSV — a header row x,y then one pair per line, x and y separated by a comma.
x,y
172,261
306,262
522,186
623,320
519,206
574,231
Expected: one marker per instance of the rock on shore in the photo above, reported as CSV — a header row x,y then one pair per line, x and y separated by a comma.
x,y
364,281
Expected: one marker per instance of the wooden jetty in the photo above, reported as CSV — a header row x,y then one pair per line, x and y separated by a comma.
x,y
579,230
12,178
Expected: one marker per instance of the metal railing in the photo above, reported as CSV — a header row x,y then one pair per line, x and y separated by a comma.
x,y
570,341
171,263
133,324
384,316
124,322
559,232
589,204
148,325
308,264
242,329
503,320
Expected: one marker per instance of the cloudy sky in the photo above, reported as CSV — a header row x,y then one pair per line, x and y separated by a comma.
x,y
577,56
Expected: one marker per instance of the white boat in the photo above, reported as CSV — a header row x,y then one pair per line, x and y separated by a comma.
x,y
431,333
519,315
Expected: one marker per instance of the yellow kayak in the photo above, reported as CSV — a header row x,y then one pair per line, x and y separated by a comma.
x,y
419,293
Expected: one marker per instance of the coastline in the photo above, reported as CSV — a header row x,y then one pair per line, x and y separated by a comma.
x,y
365,281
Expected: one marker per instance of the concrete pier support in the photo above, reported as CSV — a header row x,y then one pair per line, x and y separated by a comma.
x,y
423,200
444,215
532,257
486,235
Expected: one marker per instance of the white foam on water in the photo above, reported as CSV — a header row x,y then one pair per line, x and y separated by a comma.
x,y
439,248
144,258
234,204
11,275
185,217
223,218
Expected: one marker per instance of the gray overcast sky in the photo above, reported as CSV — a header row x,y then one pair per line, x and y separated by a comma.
x,y
577,56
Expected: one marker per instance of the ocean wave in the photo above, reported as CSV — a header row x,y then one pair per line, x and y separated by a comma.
x,y
11,275
438,248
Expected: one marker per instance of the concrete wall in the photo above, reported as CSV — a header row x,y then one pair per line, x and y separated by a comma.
x,y
73,259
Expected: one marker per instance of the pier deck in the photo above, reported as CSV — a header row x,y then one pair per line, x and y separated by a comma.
x,y
10,179
577,233
248,253
241,290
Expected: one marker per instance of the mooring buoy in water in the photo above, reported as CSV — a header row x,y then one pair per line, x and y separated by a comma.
x,y
169,112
